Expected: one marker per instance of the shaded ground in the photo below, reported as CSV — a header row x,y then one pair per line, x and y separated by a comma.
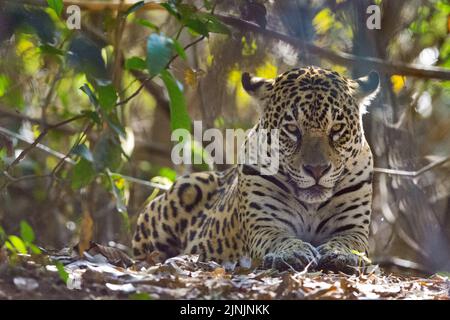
x,y
106,273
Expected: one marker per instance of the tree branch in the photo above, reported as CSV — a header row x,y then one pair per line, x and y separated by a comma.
x,y
69,160
413,174
17,115
342,58
39,139
145,81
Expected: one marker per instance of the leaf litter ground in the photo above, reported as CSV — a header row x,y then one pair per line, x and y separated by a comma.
x,y
107,273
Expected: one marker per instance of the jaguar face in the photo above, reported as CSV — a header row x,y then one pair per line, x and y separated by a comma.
x,y
318,114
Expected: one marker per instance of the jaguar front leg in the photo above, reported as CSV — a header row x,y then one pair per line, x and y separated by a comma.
x,y
346,253
281,251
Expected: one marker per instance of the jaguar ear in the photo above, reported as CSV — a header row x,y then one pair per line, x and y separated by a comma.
x,y
367,89
255,86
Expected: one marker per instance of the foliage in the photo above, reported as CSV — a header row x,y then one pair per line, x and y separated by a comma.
x,y
23,244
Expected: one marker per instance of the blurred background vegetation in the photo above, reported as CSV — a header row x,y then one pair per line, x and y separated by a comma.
x,y
86,114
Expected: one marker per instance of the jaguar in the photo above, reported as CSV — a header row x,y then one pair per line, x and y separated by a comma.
x,y
313,212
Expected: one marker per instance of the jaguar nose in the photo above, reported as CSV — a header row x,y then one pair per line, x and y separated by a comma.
x,y
317,171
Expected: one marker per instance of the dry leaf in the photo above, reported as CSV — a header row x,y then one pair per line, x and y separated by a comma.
x,y
86,232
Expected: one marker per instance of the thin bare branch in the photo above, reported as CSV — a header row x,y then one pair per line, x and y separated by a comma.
x,y
413,174
144,81
4,112
67,159
40,138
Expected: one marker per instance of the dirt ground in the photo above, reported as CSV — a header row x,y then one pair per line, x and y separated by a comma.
x,y
105,273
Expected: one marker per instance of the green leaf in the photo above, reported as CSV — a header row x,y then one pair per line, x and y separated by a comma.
x,y
135,63
87,89
134,7
215,25
56,5
18,244
83,151
85,55
171,8
94,116
2,235
63,275
83,174
107,97
197,26
168,173
115,125
147,24
208,4
26,232
34,248
48,49
179,49
159,53
10,247
179,117
139,296
107,153
4,84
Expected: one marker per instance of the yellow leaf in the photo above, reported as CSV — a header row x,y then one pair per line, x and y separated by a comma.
x,y
398,82
234,84
86,232
120,183
267,70
323,21
248,49
209,60
219,272
192,76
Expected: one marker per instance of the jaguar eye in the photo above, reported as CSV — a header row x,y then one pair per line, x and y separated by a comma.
x,y
292,128
337,128
336,131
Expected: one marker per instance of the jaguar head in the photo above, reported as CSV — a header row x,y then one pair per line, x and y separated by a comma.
x,y
318,116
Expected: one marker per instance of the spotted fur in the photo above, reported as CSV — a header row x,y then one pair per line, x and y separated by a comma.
x,y
315,211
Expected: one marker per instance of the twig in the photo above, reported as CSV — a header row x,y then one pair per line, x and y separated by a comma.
x,y
407,265
39,146
39,139
48,98
144,81
413,174
72,162
12,179
59,165
67,155
23,117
